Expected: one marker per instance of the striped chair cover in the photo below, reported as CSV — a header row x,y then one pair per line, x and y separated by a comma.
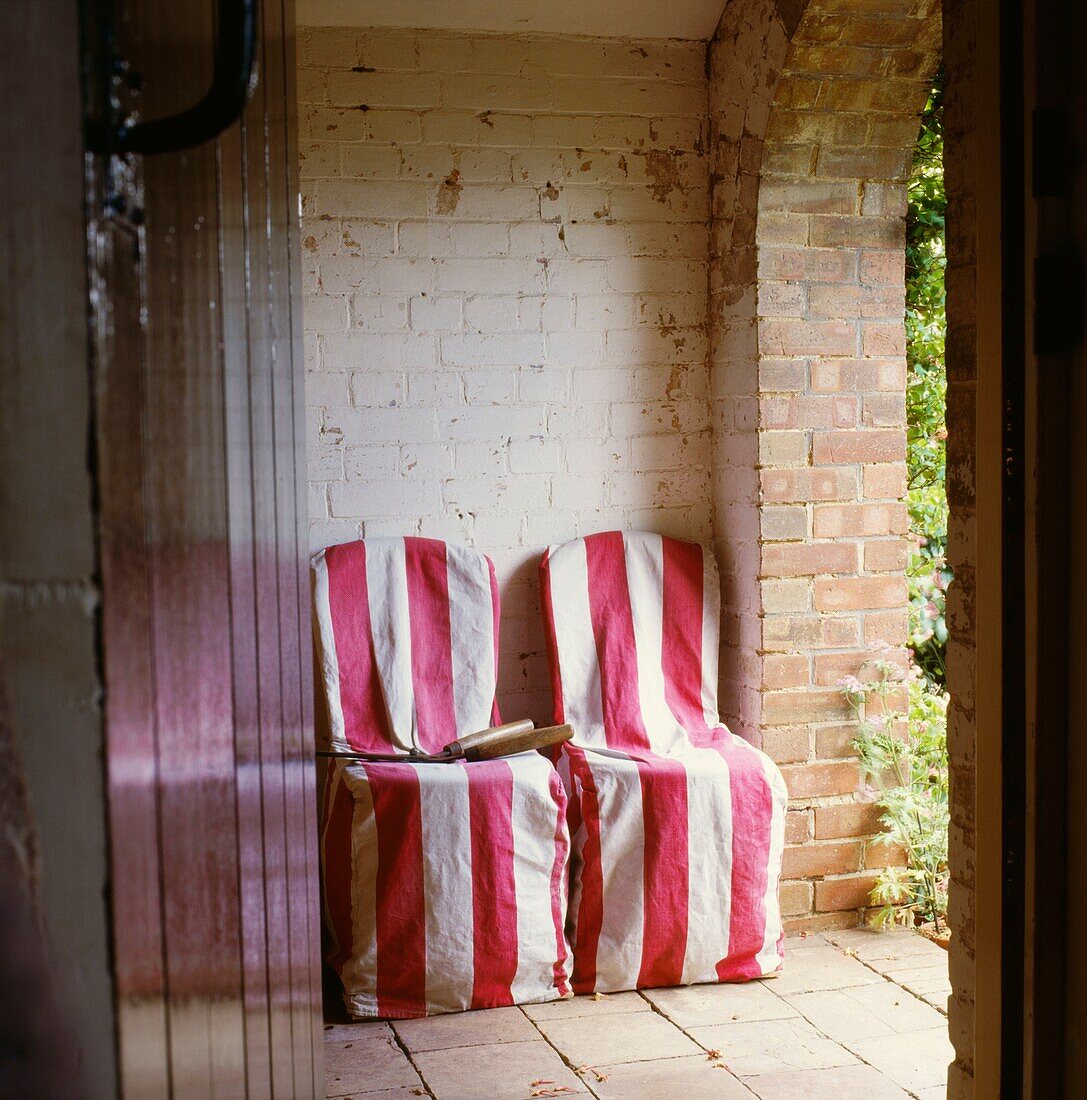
x,y
677,824
444,884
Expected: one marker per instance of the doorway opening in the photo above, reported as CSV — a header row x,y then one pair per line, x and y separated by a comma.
x,y
508,241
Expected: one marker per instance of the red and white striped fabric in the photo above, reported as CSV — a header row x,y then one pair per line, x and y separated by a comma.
x,y
677,824
444,884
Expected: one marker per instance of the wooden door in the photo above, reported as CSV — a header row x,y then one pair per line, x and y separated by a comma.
x,y
205,612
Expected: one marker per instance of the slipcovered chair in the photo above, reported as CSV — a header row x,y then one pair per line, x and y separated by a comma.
x,y
677,824
444,884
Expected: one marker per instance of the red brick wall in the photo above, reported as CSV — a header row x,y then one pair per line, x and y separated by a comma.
x,y
808,375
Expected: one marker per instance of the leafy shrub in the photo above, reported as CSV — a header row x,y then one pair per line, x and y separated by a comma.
x,y
928,578
926,389
906,772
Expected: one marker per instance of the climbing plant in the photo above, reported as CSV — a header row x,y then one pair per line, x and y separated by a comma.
x,y
926,386
905,766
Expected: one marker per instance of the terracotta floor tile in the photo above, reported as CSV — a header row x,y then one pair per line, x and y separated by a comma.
x,y
689,1078
821,968
844,1083
466,1029
606,1040
765,1046
367,1064
865,1011
696,1005
604,1005
502,1071
914,1060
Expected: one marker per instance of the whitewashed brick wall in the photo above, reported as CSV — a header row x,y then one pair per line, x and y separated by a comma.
x,y
505,246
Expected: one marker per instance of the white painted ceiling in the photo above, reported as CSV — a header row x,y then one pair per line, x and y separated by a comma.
x,y
606,18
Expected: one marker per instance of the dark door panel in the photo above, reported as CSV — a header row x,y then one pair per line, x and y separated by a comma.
x,y
205,597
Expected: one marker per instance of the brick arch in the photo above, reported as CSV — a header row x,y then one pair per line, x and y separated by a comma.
x,y
813,118
745,60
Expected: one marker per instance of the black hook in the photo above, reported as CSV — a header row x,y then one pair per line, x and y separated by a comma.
x,y
233,77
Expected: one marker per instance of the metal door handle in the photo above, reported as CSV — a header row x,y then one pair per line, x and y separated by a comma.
x,y
232,79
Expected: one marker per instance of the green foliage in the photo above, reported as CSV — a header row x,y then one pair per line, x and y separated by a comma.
x,y
906,772
926,386
928,578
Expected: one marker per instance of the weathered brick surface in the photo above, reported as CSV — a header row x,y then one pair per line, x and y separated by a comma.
x,y
846,819
814,860
796,899
505,243
823,779
859,593
821,343
798,826
845,892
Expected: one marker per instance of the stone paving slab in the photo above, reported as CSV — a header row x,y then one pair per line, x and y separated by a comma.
x,y
857,1082
914,1060
818,968
806,939
865,1011
466,1029
695,1005
605,1040
872,944
501,1071
385,1094
367,1063
599,1005
922,976
763,1046
337,1033
837,1024
909,964
696,1078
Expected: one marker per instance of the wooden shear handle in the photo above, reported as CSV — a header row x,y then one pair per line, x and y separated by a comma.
x,y
506,740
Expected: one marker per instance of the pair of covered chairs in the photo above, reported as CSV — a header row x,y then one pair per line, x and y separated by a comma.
x,y
650,857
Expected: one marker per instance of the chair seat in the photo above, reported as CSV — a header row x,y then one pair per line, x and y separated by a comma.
x,y
673,866
445,885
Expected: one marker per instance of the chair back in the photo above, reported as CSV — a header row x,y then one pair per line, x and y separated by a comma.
x,y
407,640
633,629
